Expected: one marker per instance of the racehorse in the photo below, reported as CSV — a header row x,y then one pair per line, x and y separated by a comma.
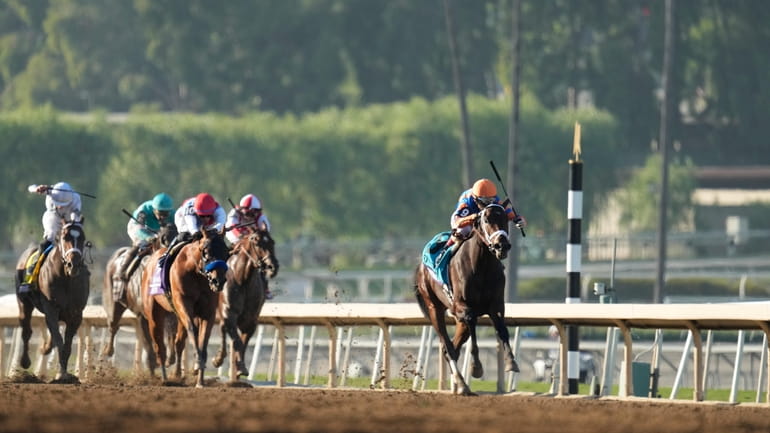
x,y
61,295
131,298
196,276
252,260
478,282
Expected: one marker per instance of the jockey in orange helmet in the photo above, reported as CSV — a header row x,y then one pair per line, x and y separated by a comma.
x,y
471,202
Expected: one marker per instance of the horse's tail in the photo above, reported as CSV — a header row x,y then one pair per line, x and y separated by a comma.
x,y
420,300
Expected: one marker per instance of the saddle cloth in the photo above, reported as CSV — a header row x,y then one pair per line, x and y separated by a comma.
x,y
34,262
435,257
159,283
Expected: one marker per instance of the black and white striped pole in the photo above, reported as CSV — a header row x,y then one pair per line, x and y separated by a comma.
x,y
574,214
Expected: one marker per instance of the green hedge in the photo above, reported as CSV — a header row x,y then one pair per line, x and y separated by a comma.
x,y
372,172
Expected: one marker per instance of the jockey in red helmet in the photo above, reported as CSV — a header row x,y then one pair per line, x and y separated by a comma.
x,y
201,211
246,218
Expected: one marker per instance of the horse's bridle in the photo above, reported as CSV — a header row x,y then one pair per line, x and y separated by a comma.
x,y
205,268
482,225
261,263
76,232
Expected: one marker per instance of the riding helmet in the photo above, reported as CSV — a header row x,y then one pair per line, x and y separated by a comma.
x,y
205,204
484,188
61,194
162,202
250,201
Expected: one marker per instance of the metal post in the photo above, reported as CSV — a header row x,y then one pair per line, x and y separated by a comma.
x,y
737,367
682,366
574,214
762,369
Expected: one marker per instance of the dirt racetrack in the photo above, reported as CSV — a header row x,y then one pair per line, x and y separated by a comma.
x,y
120,407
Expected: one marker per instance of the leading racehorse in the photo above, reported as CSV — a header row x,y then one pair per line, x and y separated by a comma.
x,y
477,281
61,295
196,276
252,261
115,304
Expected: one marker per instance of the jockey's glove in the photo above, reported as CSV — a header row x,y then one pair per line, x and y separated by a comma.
x,y
197,236
519,221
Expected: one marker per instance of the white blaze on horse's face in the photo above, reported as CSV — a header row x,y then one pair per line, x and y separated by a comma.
x,y
73,255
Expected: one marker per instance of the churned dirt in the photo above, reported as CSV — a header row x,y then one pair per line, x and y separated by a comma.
x,y
28,405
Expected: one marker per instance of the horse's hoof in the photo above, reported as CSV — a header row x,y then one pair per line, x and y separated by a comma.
x,y
66,378
478,371
511,365
25,362
242,371
218,360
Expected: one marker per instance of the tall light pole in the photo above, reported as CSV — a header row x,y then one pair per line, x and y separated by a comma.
x,y
513,139
665,117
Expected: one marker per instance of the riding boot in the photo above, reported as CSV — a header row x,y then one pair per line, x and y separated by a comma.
x,y
129,258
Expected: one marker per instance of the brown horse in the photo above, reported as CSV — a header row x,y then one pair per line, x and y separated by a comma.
x,y
61,295
478,282
196,276
252,261
131,298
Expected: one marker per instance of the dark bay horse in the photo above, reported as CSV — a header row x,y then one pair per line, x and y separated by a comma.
x,y
131,298
61,295
251,262
196,276
478,284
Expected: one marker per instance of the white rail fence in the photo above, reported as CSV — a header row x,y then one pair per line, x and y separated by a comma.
x,y
694,318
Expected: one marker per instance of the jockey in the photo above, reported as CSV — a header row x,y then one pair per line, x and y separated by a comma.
x,y
201,211
246,218
471,202
144,226
62,206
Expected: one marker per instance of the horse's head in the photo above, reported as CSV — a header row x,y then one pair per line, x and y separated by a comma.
x,y
166,234
492,225
260,247
72,243
214,254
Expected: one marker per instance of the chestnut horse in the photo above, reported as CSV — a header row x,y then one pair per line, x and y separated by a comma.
x,y
252,261
61,294
196,276
131,298
477,281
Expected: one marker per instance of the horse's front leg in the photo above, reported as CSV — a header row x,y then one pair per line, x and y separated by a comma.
x,y
450,352
202,344
477,370
65,349
113,322
25,321
502,335
219,358
180,341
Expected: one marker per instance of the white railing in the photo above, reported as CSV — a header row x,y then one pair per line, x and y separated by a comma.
x,y
692,317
